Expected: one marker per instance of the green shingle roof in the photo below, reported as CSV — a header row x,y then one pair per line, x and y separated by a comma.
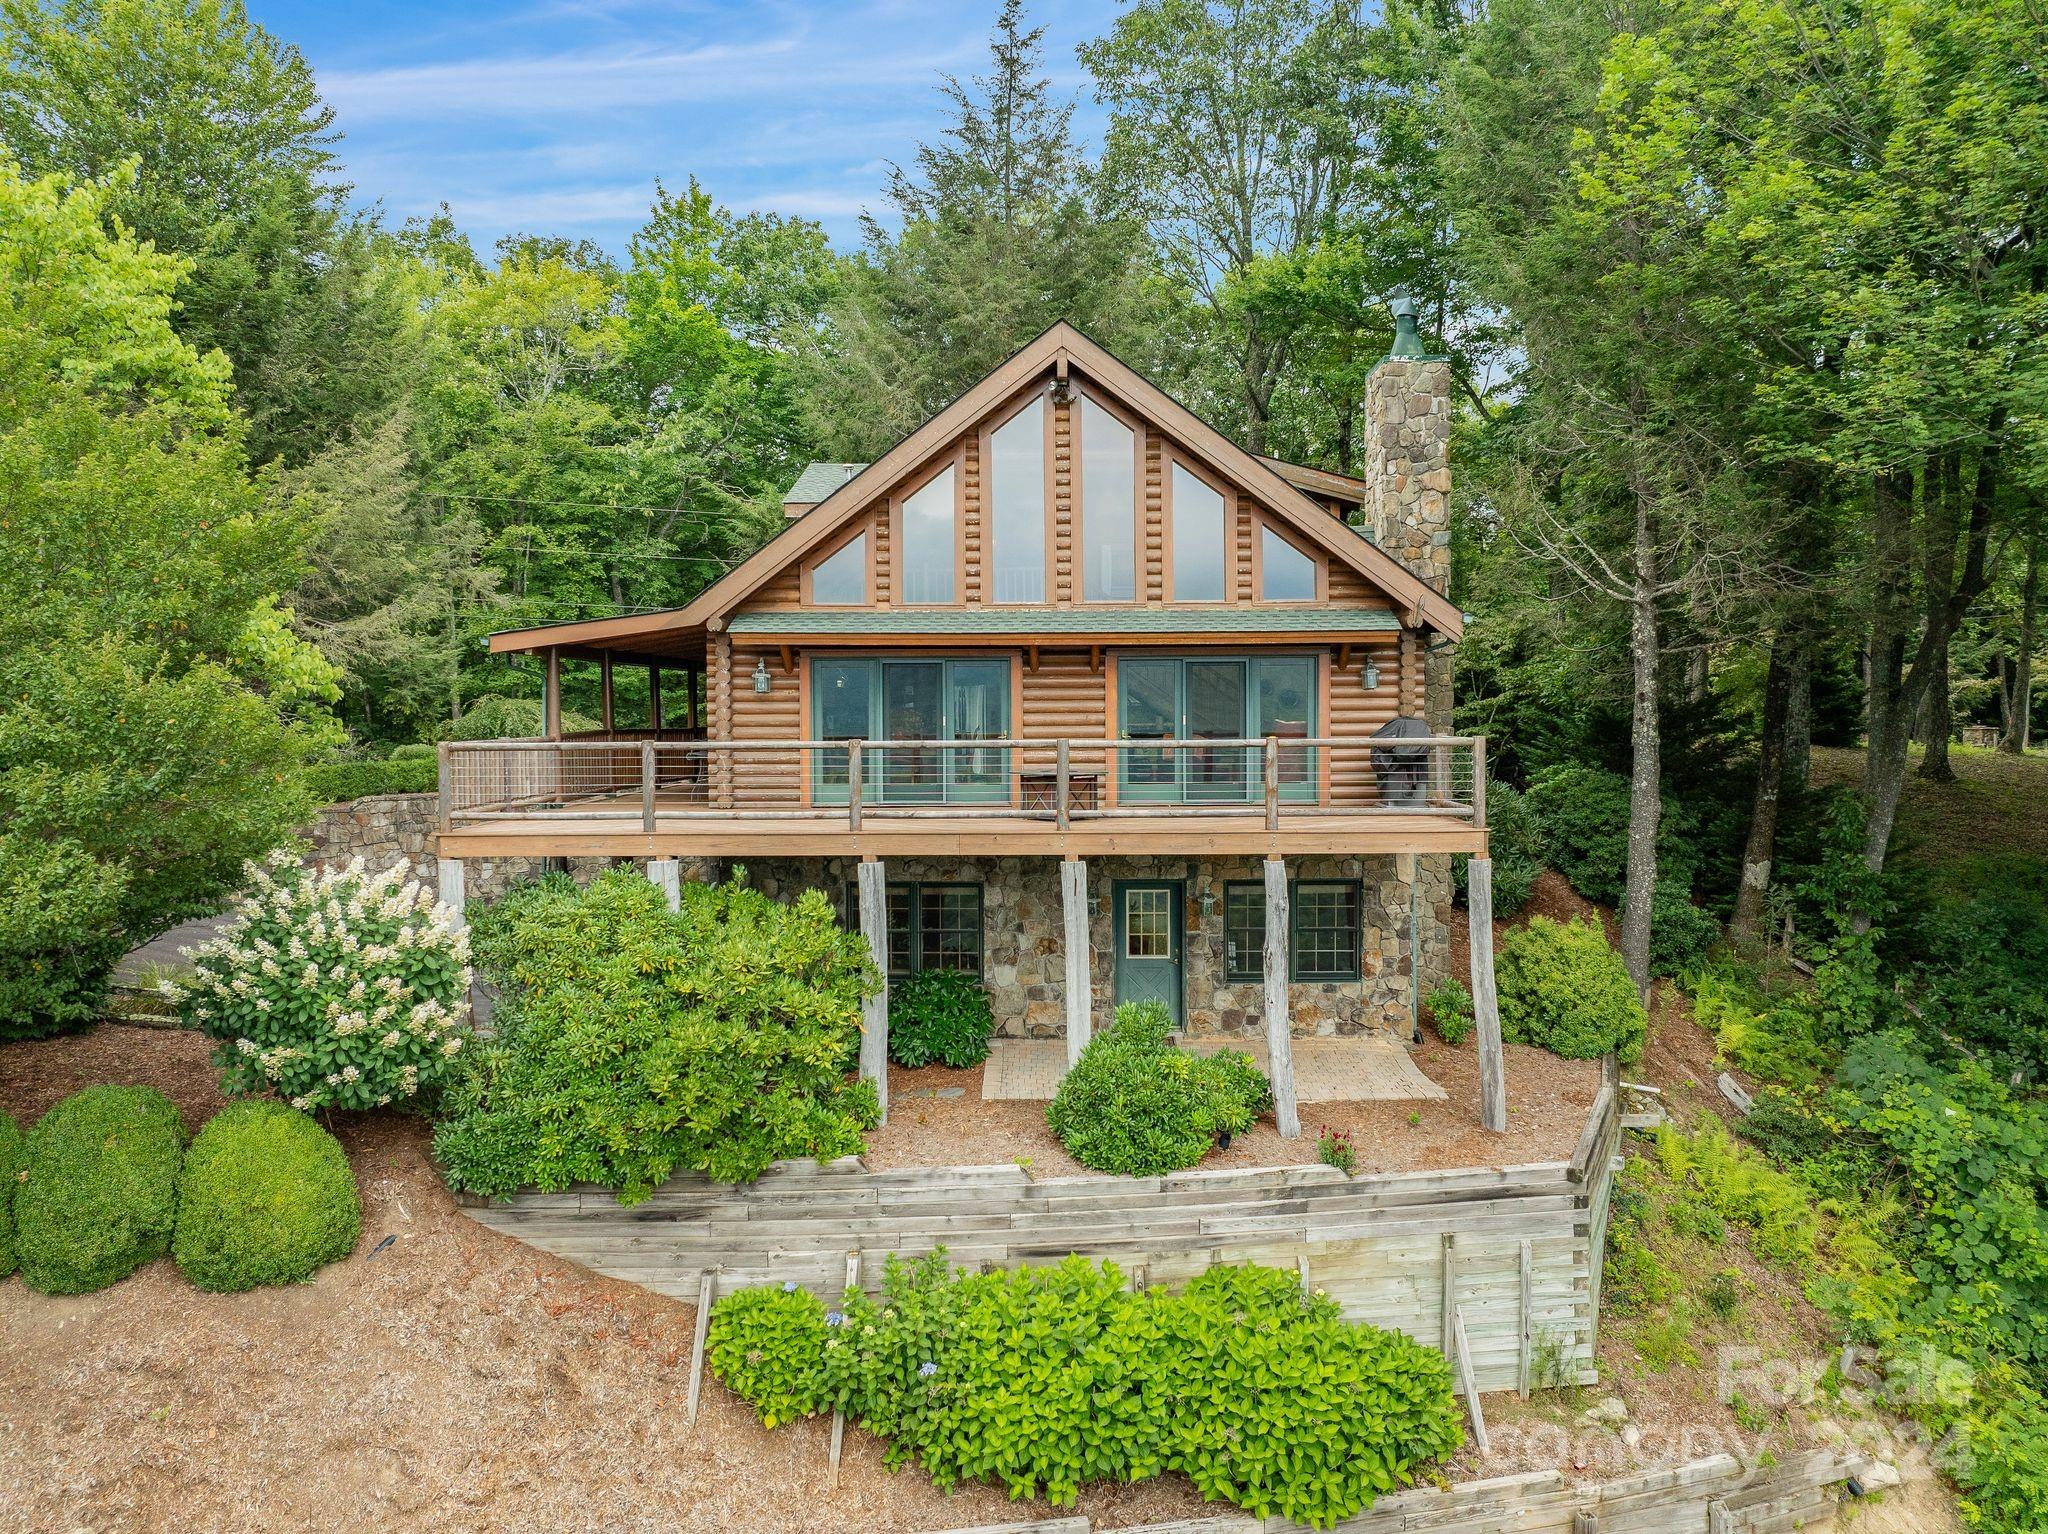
x,y
1071,620
819,480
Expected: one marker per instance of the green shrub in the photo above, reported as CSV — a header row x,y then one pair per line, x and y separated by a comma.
x,y
415,751
339,782
940,1015
10,1171
333,989
1045,1379
1516,847
768,1346
1334,1149
1135,1104
634,1041
1581,815
99,1189
60,935
1450,1008
265,1197
1680,932
494,718
1562,988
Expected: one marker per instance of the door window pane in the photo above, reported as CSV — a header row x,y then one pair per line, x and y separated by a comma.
x,y
1016,503
844,691
912,709
1285,573
1148,924
841,579
1216,699
978,694
1199,562
1286,708
1151,711
1109,498
929,541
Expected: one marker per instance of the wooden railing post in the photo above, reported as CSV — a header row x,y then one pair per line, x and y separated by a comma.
x,y
1272,784
1061,808
855,751
647,786
446,783
1479,782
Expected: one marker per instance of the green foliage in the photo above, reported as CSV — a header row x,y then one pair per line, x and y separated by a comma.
x,y
1563,989
1045,1379
99,1188
768,1346
1450,1008
1770,1038
10,1171
1516,845
1740,1185
942,1016
495,718
1135,1104
334,989
265,1197
634,1041
1334,1148
1581,815
339,782
1680,932
60,937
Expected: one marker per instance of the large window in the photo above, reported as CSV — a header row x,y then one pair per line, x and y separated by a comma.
x,y
841,578
1016,505
1324,930
1201,560
868,698
929,541
1285,573
1109,502
931,926
1222,699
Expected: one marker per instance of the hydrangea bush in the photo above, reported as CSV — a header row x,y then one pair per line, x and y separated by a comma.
x,y
335,989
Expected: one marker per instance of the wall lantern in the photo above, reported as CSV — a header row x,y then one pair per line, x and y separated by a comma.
x,y
1372,676
762,680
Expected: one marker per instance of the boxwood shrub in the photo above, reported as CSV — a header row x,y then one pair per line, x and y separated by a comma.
x,y
100,1190
1135,1104
10,1170
1564,989
939,1016
634,1041
339,782
1044,1379
265,1197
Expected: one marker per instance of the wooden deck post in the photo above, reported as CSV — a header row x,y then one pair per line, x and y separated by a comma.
x,y
666,875
1080,991
450,870
551,698
1279,1041
653,696
874,1012
647,786
1493,1081
604,689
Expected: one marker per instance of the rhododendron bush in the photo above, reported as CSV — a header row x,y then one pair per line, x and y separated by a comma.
x,y
335,989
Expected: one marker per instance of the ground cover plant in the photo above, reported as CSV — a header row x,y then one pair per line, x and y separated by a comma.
x,y
1562,988
1450,1008
1135,1104
939,1017
10,1168
333,989
265,1196
634,1041
1045,1379
97,1194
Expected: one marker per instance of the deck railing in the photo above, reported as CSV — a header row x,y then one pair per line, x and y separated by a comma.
x,y
1057,781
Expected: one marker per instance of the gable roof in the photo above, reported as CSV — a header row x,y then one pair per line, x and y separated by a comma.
x,y
1418,603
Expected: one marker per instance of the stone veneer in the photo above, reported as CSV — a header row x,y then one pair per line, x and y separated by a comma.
x,y
1025,965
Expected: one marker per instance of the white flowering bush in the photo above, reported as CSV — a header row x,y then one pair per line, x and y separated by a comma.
x,y
338,989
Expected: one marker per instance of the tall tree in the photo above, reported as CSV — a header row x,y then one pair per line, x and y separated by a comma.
x,y
237,173
1001,235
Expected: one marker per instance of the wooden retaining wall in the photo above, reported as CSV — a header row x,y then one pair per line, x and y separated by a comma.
x,y
1719,1495
1517,1249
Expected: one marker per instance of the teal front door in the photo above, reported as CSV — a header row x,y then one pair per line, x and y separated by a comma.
x,y
1149,942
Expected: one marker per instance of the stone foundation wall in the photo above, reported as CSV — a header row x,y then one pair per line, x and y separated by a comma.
x,y
1026,967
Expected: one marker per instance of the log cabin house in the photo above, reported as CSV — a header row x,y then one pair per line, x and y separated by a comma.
x,y
1067,690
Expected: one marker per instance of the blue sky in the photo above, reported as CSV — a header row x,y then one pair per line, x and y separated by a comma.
x,y
557,116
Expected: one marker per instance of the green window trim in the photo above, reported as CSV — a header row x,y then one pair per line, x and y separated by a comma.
x,y
931,926
1326,930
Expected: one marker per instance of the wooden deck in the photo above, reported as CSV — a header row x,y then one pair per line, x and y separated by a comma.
x,y
603,829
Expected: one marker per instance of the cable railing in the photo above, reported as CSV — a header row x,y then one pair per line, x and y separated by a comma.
x,y
1058,782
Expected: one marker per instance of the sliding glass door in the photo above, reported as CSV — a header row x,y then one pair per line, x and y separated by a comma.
x,y
1215,698
910,701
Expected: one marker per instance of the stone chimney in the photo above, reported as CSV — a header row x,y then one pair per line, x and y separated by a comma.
x,y
1408,477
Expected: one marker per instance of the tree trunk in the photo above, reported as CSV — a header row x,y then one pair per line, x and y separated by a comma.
x,y
2018,693
1645,802
1746,925
1799,720
1942,497
1889,710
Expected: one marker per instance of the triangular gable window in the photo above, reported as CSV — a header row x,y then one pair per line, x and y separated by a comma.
x,y
841,579
1286,574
